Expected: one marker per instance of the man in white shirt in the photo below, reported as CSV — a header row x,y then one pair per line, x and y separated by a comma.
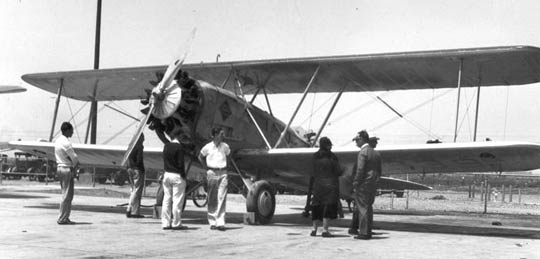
x,y
216,153
67,162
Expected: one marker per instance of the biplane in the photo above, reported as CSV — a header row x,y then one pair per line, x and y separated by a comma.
x,y
265,149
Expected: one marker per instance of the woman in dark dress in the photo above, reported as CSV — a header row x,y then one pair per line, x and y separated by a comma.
x,y
325,187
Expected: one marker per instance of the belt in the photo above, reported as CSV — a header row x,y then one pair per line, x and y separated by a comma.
x,y
66,166
216,169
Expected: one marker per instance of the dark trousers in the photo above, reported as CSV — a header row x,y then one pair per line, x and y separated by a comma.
x,y
355,220
364,207
65,176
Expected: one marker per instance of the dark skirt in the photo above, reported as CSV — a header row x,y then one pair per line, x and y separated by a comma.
x,y
318,212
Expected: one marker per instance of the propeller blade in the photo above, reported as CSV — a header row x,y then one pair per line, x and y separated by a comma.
x,y
176,63
135,138
165,97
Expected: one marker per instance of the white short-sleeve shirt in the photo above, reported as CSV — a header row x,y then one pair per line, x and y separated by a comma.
x,y
64,153
216,156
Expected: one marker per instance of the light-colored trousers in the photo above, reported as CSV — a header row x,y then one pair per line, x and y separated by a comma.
x,y
136,180
174,190
65,176
217,196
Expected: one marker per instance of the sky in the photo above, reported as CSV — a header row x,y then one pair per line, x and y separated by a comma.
x,y
54,35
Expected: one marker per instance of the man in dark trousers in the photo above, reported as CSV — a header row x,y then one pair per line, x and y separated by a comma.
x,y
136,179
353,230
368,172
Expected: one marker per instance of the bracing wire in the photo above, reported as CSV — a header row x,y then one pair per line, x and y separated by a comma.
x,y
428,132
73,118
466,114
506,111
431,110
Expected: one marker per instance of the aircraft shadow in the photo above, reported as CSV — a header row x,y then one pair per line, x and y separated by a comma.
x,y
508,232
20,196
295,219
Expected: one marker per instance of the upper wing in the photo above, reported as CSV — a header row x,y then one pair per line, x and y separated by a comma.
x,y
514,65
293,166
91,155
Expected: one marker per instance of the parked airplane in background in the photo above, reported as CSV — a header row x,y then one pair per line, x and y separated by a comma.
x,y
267,150
7,89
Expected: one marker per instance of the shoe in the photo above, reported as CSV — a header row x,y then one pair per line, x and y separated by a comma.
x,y
128,214
167,228
137,216
353,231
363,237
67,222
179,228
213,227
220,228
313,233
327,234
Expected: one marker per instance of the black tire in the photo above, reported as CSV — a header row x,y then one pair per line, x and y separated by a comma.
x,y
200,200
261,200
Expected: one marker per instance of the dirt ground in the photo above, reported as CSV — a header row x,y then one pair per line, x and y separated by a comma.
x,y
454,227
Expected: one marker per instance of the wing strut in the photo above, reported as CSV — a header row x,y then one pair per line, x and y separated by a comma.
x,y
298,106
477,104
56,108
458,96
328,116
251,115
247,181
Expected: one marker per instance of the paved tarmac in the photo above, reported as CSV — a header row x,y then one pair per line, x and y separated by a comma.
x,y
28,229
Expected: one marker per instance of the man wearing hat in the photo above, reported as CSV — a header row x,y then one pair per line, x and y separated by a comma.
x,y
368,172
353,230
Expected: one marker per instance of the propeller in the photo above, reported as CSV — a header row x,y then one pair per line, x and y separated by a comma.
x,y
165,96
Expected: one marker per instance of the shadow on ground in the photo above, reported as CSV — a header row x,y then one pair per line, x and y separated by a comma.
x,y
295,219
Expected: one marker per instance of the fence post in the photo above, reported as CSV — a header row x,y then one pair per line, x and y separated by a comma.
x,y
503,193
392,200
93,176
482,191
47,171
473,190
519,196
487,196
407,202
510,194
1,166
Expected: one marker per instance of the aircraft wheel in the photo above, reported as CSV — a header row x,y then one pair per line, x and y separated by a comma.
x,y
200,198
262,201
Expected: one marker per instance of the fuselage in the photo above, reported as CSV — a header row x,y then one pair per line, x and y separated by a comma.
x,y
221,108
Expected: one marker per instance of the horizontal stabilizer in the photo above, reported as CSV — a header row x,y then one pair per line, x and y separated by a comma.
x,y
389,183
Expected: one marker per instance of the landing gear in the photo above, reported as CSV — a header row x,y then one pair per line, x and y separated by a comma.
x,y
261,200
